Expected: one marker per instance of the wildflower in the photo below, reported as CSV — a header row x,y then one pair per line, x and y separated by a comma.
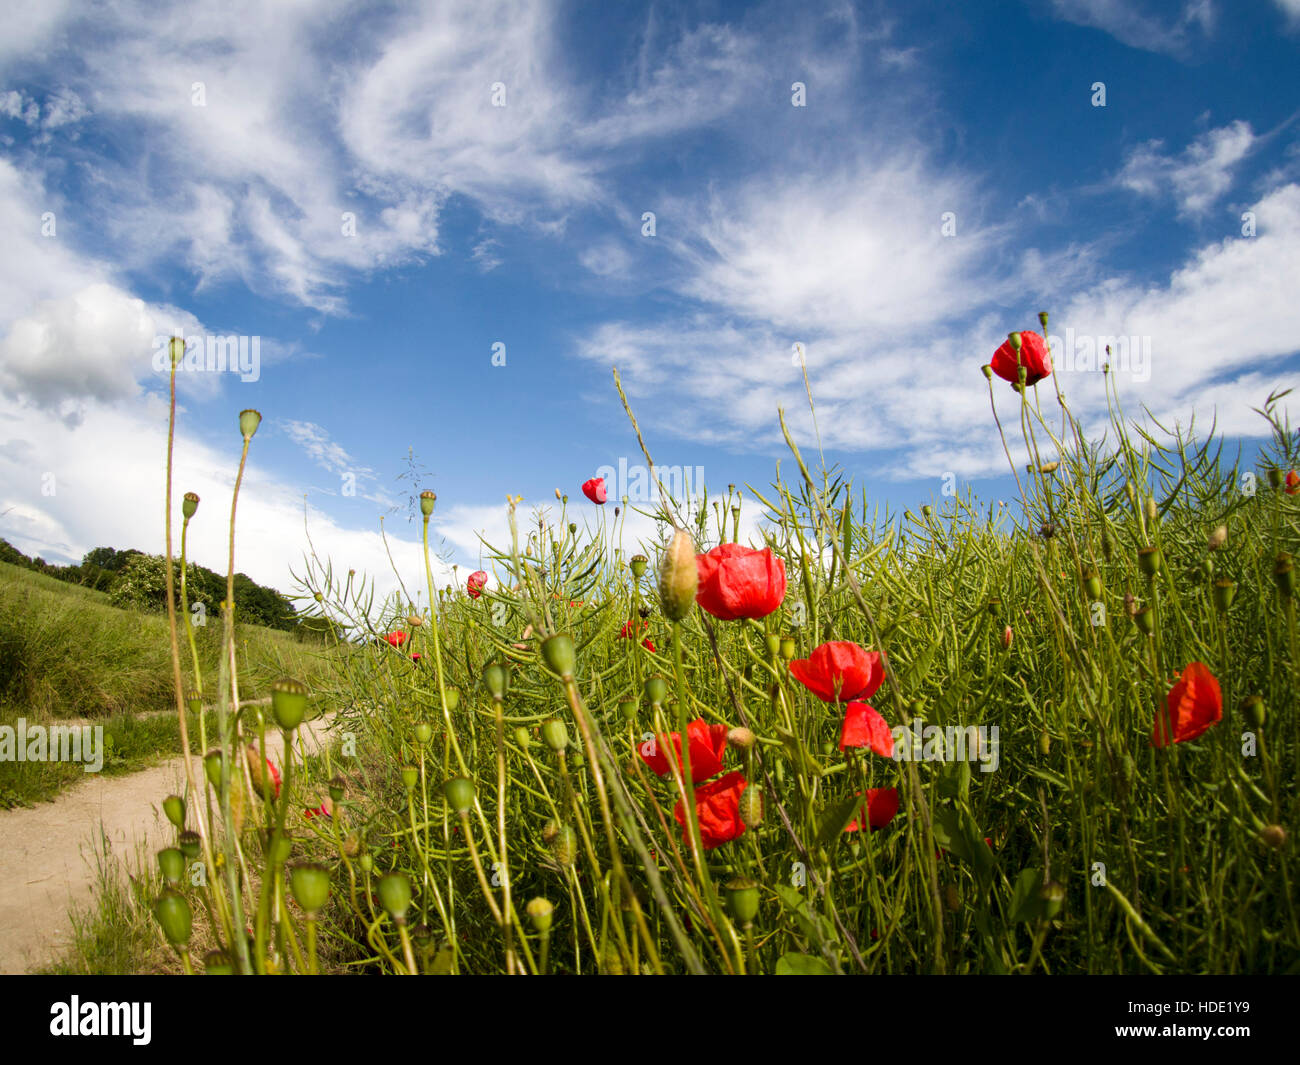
x,y
864,727
1292,483
595,490
740,582
717,808
1195,704
322,810
475,583
396,639
255,773
881,806
708,743
839,671
1032,354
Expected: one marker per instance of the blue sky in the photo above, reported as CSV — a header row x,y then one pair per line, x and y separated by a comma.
x,y
383,192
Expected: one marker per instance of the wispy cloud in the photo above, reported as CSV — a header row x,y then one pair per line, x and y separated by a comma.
x,y
1198,176
1131,23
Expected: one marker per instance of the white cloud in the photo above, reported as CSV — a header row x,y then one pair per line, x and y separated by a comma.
x,y
1198,177
1129,24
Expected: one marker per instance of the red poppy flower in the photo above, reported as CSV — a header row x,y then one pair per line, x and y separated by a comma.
x,y
740,582
416,658
628,631
320,811
1292,483
839,672
1195,703
594,489
717,807
708,743
475,584
881,804
396,639
648,644
864,727
1034,357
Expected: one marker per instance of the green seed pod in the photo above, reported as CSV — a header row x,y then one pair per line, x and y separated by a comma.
x,y
1275,478
751,804
1149,560
410,777
336,788
212,767
309,882
367,862
1273,836
540,911
191,845
987,371
395,895
994,607
288,703
189,504
453,700
1284,575
788,648
496,679
175,917
555,735
218,963
523,738
277,847
174,807
679,577
427,500
627,709
1044,743
1145,621
1252,708
742,900
773,644
559,655
564,846
1108,547
249,420
1224,593
656,691
1053,896
638,565
172,863
1091,584
460,794
423,733
193,701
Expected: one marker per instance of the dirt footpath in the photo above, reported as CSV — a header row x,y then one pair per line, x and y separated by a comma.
x,y
48,853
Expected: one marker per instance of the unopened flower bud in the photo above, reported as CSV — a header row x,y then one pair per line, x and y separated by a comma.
x,y
1252,708
558,653
460,794
1224,592
656,690
1273,836
1149,560
395,895
679,577
740,738
175,917
555,735
1217,538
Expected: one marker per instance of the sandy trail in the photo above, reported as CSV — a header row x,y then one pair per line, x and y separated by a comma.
x,y
48,859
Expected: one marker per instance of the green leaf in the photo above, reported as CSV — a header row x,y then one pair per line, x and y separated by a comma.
x,y
802,965
836,819
1026,900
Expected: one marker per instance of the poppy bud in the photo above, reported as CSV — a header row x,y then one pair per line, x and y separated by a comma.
x,y
1042,320
679,577
788,649
1130,604
1108,547
212,767
656,690
191,844
172,863
193,701
336,787
558,652
249,420
751,805
1150,507
1224,593
638,565
1217,538
773,644
423,733
410,777
1049,467
987,371
395,895
1145,621
555,735
1047,530
564,844
1252,708
427,500
1053,895
1284,575
952,898
176,350
453,700
740,738
288,703
494,679
189,504
367,862
1149,560
1275,478
309,882
627,709
460,794
1044,743
742,900
174,807
1273,836
540,911
175,916
352,845
1007,637
1091,583
218,963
